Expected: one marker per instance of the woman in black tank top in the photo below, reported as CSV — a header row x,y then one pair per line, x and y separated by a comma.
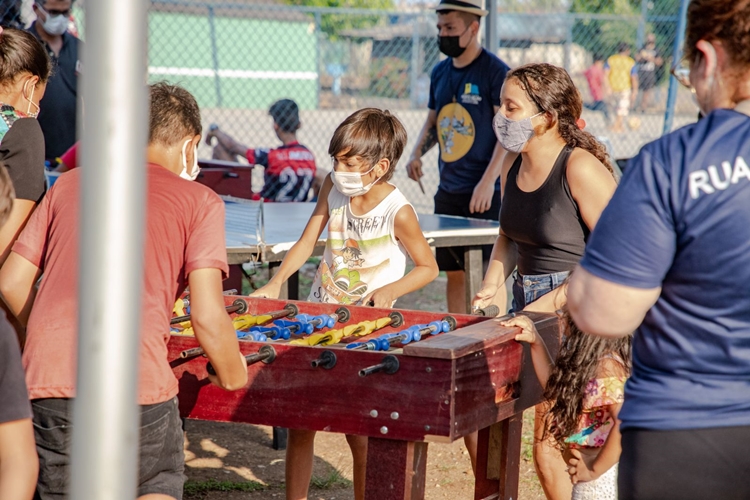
x,y
555,182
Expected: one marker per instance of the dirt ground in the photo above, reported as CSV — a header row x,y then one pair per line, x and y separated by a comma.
x,y
226,461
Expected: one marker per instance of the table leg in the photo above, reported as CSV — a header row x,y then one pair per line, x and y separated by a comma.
x,y
498,460
290,288
474,273
395,469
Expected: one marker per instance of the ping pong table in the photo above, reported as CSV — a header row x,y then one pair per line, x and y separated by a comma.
x,y
264,232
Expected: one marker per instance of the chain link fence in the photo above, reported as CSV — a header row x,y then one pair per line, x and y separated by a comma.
x,y
238,57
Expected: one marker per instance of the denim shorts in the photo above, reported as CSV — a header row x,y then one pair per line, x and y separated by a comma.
x,y
527,289
161,461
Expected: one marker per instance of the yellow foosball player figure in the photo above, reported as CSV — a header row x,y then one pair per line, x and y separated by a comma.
x,y
371,229
184,245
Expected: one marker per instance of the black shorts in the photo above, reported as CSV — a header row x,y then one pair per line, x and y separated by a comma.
x,y
698,464
161,458
452,259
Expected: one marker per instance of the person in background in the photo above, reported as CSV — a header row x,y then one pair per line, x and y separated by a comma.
x,y
464,97
19,464
184,244
290,170
10,14
669,259
595,78
58,114
372,228
622,84
648,61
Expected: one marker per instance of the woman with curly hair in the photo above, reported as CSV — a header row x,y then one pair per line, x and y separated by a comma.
x,y
585,389
556,179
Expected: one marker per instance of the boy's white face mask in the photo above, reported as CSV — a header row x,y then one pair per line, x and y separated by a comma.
x,y
195,170
350,183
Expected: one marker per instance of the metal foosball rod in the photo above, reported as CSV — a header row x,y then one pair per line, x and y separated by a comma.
x,y
242,335
266,354
411,334
389,366
239,306
394,319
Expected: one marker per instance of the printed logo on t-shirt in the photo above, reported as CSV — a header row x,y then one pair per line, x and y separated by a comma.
x,y
456,131
471,94
710,180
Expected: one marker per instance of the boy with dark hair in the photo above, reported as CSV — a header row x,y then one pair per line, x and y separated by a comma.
x,y
371,229
184,244
289,170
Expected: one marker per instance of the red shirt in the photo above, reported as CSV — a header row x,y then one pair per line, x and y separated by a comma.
x,y
70,157
595,76
289,171
185,232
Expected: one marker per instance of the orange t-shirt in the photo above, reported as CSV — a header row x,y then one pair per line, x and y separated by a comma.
x,y
185,232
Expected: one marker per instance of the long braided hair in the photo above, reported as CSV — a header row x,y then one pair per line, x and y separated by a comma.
x,y
552,90
577,363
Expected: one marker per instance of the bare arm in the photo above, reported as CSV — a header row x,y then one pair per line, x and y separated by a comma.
x,y
425,141
540,357
504,253
17,219
481,198
214,330
608,456
408,232
227,142
300,251
600,307
19,464
17,279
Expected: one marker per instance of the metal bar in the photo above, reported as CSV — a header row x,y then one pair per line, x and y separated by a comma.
x,y
491,40
679,39
215,55
318,63
105,412
415,69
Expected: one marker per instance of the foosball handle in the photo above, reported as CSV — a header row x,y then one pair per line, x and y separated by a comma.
x,y
389,365
490,311
327,360
266,354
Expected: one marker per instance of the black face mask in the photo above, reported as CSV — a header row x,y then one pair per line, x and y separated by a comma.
x,y
451,45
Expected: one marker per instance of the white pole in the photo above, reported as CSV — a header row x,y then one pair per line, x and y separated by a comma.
x,y
105,414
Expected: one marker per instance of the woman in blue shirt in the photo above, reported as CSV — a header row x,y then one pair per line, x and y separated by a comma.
x,y
670,258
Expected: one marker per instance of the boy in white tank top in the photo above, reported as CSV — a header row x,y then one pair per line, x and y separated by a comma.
x,y
371,228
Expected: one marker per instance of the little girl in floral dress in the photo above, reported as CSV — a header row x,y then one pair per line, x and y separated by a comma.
x,y
585,390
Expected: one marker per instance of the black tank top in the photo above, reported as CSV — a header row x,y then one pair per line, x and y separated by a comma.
x,y
545,224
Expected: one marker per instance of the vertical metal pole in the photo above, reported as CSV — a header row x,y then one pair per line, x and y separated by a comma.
x,y
318,62
105,413
679,39
215,55
491,39
567,50
415,66
640,37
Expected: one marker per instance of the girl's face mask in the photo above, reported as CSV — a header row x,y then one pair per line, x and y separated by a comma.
x,y
511,134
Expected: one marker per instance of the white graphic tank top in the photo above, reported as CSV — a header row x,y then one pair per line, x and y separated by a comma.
x,y
362,253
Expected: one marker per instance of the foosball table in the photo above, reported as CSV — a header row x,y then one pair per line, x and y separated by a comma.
x,y
402,378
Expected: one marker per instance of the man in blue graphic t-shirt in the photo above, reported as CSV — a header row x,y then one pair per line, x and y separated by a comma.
x,y
464,97
670,259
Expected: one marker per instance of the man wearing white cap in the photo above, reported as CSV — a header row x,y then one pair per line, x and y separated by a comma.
x,y
464,97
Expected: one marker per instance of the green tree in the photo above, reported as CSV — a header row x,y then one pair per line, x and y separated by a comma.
x,y
334,24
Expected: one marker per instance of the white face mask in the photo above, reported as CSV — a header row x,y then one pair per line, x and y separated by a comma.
x,y
350,183
195,170
55,25
513,134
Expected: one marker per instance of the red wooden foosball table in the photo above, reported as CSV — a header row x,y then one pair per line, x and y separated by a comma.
x,y
402,378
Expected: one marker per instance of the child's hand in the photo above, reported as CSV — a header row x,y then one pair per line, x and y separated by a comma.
x,y
578,470
528,333
382,297
484,296
269,291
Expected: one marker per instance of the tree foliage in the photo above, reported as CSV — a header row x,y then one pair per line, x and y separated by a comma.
x,y
334,24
